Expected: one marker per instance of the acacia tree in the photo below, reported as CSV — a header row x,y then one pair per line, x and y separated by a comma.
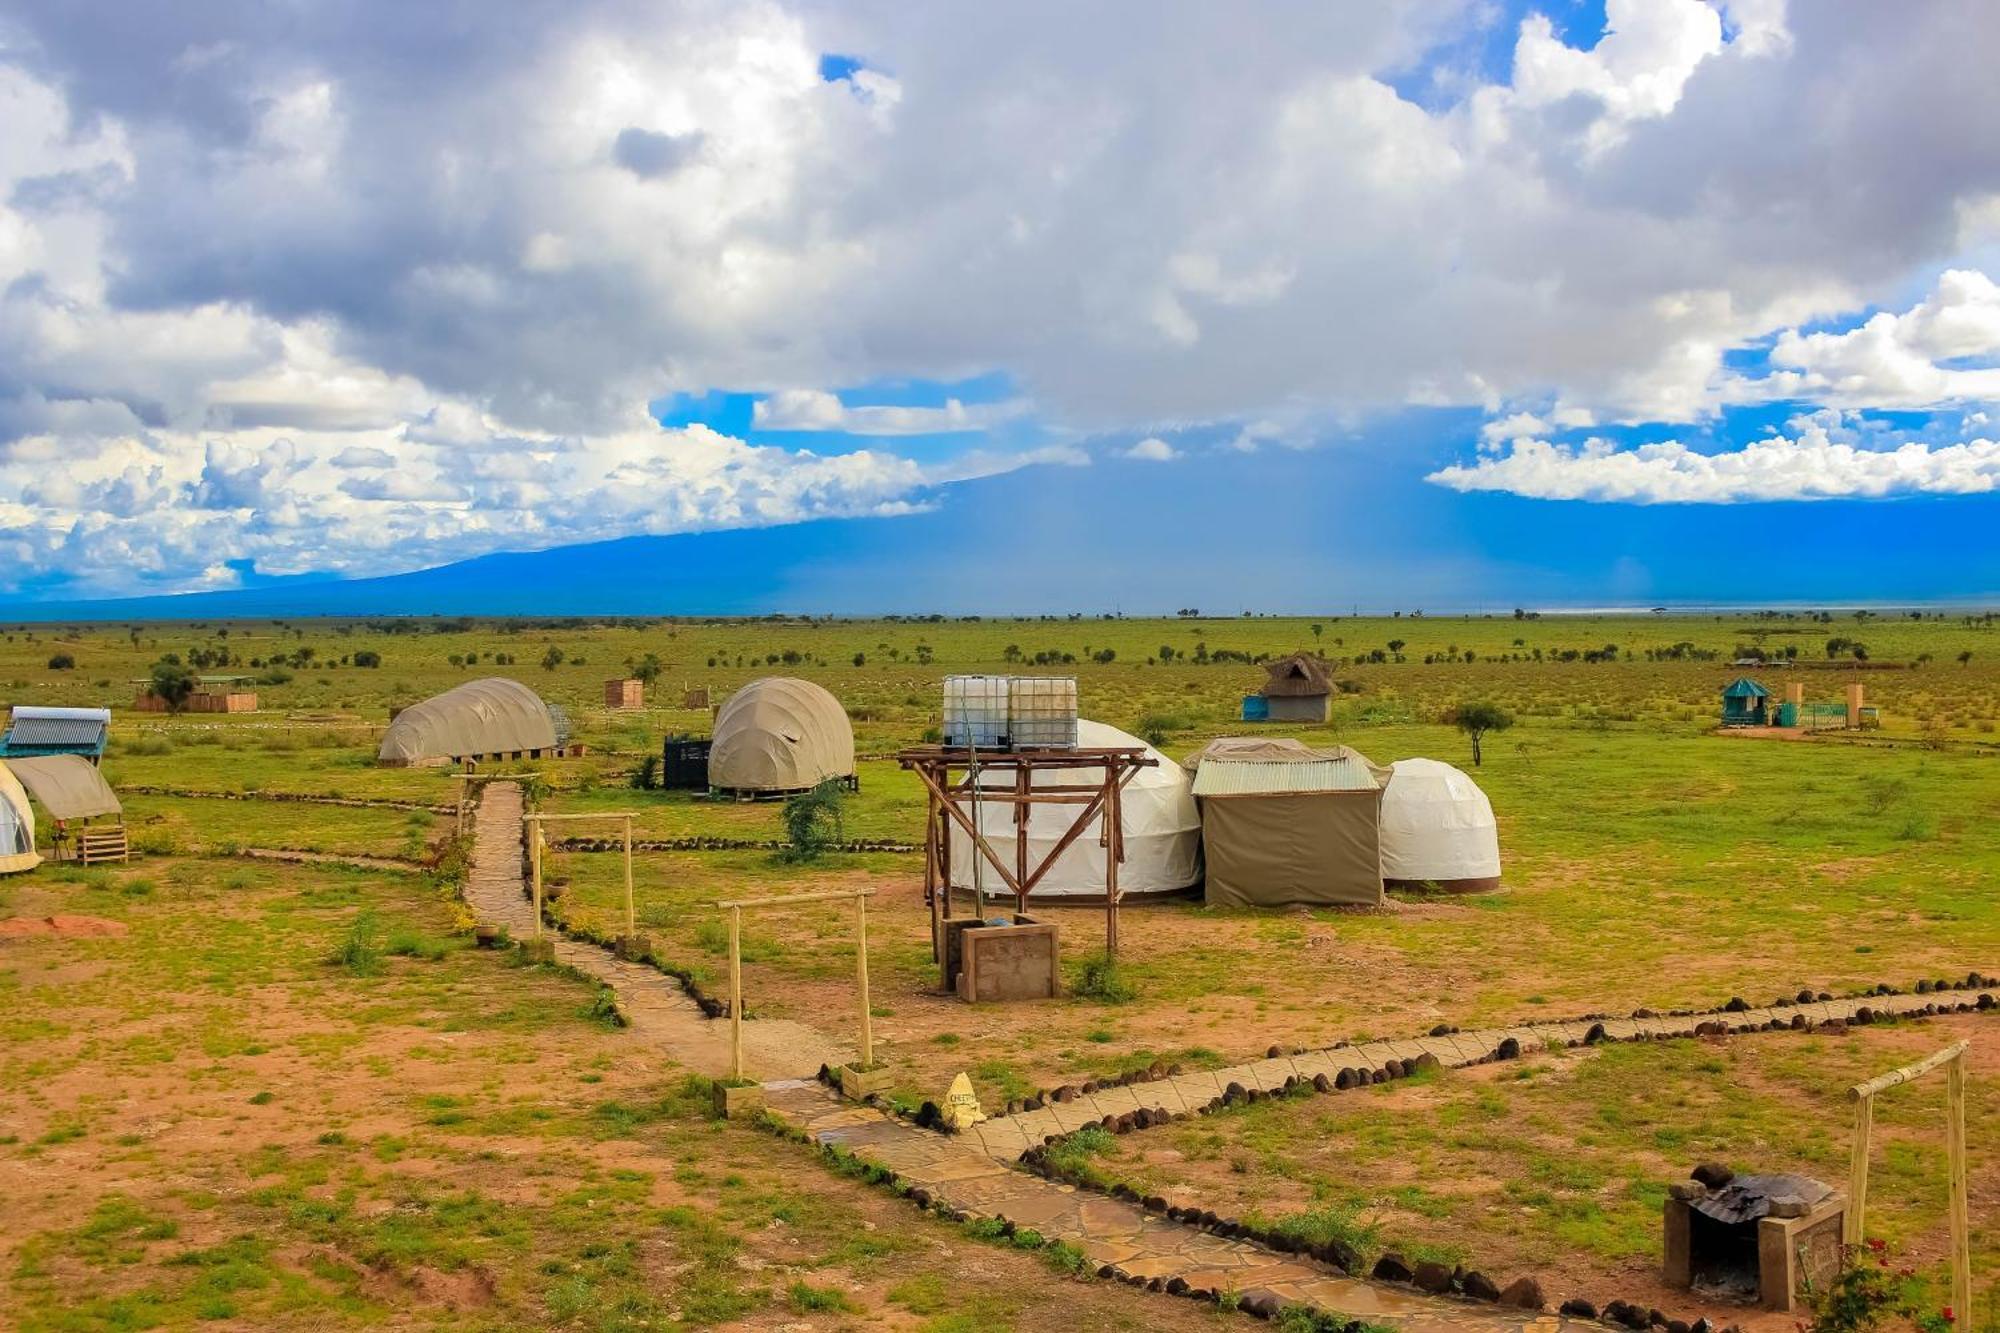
x,y
1478,718
172,683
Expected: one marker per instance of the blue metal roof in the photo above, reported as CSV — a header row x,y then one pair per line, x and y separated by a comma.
x,y
1745,688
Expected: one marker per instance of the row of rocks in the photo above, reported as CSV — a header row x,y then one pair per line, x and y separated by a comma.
x,y
714,844
289,798
1524,1293
1510,1048
1629,1314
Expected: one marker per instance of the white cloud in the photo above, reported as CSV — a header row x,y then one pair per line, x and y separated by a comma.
x,y
1810,464
1153,449
818,410
260,299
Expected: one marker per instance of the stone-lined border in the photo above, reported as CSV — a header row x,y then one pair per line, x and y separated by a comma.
x,y
289,798
853,846
1717,1023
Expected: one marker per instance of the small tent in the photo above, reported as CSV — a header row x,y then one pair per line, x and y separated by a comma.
x,y
1438,829
491,718
1745,703
778,735
17,826
1286,824
1157,814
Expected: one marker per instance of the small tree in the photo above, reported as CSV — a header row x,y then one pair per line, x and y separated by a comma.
x,y
647,669
814,821
172,683
552,659
1965,657
1476,719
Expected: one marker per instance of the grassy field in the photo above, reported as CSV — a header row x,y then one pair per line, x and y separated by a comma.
x,y
1649,862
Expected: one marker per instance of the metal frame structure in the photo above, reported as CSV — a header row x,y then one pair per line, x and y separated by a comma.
x,y
946,796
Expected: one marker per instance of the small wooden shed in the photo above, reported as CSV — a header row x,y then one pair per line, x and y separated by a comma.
x,y
625,693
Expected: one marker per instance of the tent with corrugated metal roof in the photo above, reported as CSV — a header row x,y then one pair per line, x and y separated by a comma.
x,y
1285,824
1156,810
68,786
17,826
481,719
776,735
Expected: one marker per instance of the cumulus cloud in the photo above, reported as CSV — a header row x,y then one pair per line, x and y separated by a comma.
x,y
1153,449
1809,464
242,259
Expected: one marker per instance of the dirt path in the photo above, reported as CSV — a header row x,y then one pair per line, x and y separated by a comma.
x,y
654,1004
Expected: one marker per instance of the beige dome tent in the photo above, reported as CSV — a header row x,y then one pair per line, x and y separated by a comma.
x,y
1161,825
779,735
1438,829
17,826
481,719
1285,824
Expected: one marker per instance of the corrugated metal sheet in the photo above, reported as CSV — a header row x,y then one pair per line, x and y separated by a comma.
x,y
1221,777
81,728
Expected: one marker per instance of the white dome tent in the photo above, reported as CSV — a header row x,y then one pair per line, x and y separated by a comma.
x,y
1162,831
17,826
1438,829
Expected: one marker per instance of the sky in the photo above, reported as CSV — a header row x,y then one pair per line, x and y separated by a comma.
x,y
1450,302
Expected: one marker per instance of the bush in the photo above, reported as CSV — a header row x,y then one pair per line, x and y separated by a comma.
x,y
62,662
647,776
368,657
359,953
1100,980
814,821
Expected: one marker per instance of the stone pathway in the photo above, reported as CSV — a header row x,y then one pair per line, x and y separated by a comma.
x,y
655,1005
954,1174
1005,1137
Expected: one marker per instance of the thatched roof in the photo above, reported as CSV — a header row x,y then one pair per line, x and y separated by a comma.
x,y
1299,676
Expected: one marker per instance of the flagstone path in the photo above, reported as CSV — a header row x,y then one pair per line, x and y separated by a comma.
x,y
654,1005
1005,1137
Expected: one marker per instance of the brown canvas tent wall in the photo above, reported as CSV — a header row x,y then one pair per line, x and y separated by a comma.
x,y
1284,824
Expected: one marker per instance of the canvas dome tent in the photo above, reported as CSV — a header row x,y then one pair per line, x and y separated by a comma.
x,y
480,719
17,826
778,735
1438,829
1157,812
1285,824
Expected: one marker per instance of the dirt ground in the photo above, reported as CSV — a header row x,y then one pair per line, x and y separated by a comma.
x,y
205,1121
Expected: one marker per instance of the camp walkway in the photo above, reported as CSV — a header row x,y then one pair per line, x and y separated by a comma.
x,y
653,1004
955,1174
1006,1137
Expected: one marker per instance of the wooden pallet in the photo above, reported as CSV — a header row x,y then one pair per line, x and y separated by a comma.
x,y
96,846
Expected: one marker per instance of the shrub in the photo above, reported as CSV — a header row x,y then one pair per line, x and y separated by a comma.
x,y
1100,980
62,662
360,953
814,821
368,657
647,776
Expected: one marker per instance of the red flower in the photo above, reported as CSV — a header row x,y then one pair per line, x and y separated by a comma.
x,y
1947,1315
1877,1244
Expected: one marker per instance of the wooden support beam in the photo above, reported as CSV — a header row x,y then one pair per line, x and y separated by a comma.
x,y
782,900
861,978
1908,1073
1961,1214
735,993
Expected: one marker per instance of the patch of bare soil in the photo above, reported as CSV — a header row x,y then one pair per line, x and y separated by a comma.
x,y
61,924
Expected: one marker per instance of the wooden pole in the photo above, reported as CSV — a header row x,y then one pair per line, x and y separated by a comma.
x,y
1961,1216
1111,864
1857,1170
631,912
535,859
1021,811
1908,1073
735,993
861,978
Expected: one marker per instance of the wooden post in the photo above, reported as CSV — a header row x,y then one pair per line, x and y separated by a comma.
x,y
1961,1217
1021,812
1857,1170
631,913
861,978
1111,817
535,861
735,992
